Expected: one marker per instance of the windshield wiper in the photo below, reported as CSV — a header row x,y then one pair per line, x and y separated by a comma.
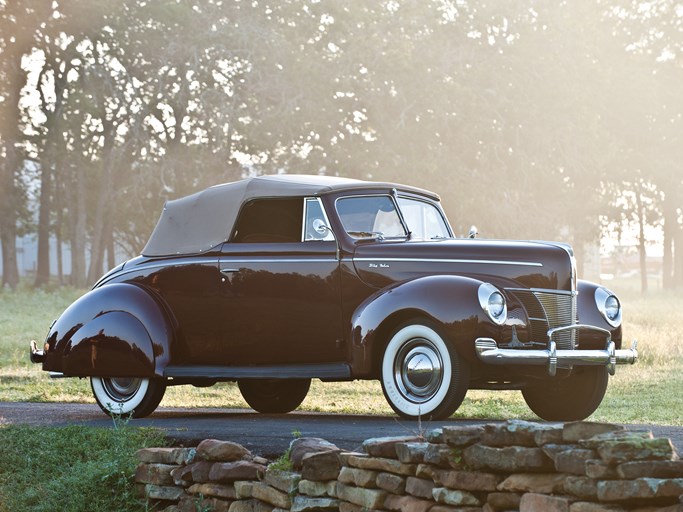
x,y
367,234
377,234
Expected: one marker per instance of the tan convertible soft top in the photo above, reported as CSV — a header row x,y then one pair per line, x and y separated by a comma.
x,y
197,223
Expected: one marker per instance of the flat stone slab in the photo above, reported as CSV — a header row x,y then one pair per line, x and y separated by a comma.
x,y
321,466
223,451
386,446
651,469
303,446
510,460
232,471
166,455
578,430
534,482
512,433
630,450
642,488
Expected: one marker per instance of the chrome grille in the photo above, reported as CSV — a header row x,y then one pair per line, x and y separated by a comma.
x,y
549,309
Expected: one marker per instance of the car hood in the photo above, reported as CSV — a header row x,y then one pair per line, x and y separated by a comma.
x,y
505,263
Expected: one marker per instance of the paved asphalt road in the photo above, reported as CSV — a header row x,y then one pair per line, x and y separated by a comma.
x,y
265,435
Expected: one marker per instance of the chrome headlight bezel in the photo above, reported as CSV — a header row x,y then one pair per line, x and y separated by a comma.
x,y
609,306
493,302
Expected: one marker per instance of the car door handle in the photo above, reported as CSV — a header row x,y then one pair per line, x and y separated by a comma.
x,y
229,270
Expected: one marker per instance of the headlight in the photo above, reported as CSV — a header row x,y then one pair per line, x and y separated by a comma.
x,y
493,302
609,306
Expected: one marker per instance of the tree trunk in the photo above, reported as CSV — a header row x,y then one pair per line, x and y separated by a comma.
x,y
670,227
77,222
99,221
641,243
109,241
57,206
43,268
60,254
678,258
111,252
8,216
10,270
579,250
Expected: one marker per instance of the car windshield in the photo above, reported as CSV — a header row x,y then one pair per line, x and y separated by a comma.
x,y
424,220
370,217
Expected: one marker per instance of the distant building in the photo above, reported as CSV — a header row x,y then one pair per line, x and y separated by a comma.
x,y
27,257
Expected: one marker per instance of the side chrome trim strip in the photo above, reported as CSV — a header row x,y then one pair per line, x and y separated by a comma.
x,y
279,260
445,260
215,261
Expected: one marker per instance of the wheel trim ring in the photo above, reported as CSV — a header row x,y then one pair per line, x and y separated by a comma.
x,y
120,405
121,389
418,370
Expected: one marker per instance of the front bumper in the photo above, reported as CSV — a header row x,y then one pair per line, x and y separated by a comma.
x,y
488,351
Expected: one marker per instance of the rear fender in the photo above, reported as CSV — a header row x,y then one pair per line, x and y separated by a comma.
x,y
450,301
118,330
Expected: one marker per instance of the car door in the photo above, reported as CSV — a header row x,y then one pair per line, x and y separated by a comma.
x,y
280,290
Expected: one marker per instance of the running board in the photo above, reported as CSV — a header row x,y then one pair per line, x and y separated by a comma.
x,y
330,371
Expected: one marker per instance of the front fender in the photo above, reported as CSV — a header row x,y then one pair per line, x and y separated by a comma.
x,y
590,315
450,301
118,330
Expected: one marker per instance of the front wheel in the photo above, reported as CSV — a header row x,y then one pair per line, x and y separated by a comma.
x,y
128,396
422,374
274,396
571,399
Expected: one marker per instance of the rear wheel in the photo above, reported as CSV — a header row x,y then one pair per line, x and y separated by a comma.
x,y
571,399
274,395
422,374
128,396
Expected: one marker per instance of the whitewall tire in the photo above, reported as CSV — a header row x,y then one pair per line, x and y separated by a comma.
x,y
421,374
127,396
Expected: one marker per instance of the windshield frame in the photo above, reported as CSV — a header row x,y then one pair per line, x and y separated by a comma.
x,y
393,196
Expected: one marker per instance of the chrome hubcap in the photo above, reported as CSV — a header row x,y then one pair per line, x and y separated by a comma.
x,y
418,370
121,388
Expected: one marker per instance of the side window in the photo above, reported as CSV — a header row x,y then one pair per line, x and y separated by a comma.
x,y
269,221
424,219
316,225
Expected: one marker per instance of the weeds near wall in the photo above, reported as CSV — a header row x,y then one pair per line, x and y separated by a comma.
x,y
72,468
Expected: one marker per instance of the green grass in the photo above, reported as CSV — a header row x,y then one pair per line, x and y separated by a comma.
x,y
26,315
648,392
71,469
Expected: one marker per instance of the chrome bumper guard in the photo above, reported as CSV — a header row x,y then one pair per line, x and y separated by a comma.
x,y
37,356
488,352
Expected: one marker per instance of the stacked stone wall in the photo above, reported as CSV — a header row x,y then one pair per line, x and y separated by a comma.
x,y
513,466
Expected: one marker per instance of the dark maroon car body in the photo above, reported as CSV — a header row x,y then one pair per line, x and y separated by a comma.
x,y
226,292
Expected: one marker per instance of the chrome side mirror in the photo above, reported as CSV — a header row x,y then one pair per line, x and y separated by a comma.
x,y
320,227
323,230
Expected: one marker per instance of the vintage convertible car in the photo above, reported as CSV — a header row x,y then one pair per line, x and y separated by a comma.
x,y
276,280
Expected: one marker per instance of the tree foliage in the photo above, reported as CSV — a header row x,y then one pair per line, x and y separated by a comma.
x,y
531,119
